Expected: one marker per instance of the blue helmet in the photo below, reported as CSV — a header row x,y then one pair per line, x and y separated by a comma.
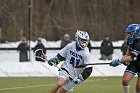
x,y
134,32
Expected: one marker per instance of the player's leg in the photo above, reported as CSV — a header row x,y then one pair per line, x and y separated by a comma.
x,y
66,87
125,81
138,84
62,90
59,84
129,73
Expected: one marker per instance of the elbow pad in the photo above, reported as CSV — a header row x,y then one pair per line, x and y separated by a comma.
x,y
86,73
60,57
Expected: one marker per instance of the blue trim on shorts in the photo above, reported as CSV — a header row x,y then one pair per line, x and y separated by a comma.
x,y
129,71
138,74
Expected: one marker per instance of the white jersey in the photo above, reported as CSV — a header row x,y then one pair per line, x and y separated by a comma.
x,y
74,58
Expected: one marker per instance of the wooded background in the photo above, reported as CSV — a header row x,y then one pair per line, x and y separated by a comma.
x,y
51,19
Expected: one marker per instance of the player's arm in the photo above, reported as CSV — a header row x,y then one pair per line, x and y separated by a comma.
x,y
127,57
60,58
56,59
130,56
84,75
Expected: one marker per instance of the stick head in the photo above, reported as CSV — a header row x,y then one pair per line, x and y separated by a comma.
x,y
40,56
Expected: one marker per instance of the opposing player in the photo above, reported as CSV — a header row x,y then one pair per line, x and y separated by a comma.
x,y
132,58
74,54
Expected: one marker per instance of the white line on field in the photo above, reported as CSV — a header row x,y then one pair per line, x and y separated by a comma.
x,y
96,80
25,87
12,88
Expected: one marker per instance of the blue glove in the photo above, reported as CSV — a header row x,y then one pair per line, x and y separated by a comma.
x,y
78,80
53,61
115,63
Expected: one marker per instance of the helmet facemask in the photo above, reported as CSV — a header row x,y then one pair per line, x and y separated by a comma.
x,y
130,37
82,39
82,43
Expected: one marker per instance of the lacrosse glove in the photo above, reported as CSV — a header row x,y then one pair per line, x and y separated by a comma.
x,y
78,80
115,63
53,61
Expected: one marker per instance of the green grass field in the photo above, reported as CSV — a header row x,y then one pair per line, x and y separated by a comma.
x,y
44,84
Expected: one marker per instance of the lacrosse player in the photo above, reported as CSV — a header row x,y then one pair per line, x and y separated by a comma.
x,y
132,58
73,54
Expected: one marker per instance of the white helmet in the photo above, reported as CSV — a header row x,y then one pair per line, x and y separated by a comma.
x,y
82,39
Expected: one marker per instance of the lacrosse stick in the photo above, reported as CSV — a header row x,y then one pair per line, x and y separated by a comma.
x,y
81,66
40,55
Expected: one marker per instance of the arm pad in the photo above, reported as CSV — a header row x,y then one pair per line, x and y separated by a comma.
x,y
56,59
60,57
86,73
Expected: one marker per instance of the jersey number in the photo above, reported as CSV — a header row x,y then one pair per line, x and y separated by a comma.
x,y
74,61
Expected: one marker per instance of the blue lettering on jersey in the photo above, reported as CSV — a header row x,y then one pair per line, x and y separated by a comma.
x,y
75,54
75,59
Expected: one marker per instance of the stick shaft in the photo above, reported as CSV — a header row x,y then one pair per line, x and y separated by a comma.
x,y
80,66
98,64
45,59
63,71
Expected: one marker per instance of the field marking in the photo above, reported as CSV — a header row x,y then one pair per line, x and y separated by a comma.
x,y
96,80
25,87
12,88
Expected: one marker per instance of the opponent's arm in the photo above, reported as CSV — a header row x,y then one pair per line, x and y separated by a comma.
x,y
56,59
84,75
131,56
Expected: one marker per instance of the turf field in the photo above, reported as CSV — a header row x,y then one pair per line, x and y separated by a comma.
x,y
43,85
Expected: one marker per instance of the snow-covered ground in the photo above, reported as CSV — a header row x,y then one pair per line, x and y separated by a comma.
x,y
10,65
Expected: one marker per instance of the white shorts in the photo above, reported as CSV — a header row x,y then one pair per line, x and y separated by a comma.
x,y
69,84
